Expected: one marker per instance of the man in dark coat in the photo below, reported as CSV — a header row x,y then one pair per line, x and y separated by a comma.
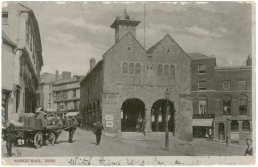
x,y
249,149
98,132
10,137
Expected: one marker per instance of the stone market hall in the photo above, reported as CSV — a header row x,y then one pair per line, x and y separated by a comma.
x,y
126,89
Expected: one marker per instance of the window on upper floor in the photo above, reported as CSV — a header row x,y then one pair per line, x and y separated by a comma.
x,y
74,93
203,104
242,105
202,85
5,18
65,94
131,68
138,68
241,85
125,68
226,100
234,126
226,85
166,70
160,69
172,70
201,69
27,32
246,127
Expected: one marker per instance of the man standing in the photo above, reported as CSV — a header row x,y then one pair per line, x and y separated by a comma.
x,y
10,137
249,149
98,132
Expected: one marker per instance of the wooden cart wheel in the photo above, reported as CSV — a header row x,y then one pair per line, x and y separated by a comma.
x,y
50,139
38,140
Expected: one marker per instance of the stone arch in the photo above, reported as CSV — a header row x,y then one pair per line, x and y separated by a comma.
x,y
158,111
132,115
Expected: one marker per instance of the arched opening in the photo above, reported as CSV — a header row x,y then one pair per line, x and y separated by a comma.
x,y
132,115
246,126
234,126
242,105
158,116
221,131
226,105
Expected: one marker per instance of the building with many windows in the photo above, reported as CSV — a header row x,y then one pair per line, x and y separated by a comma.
x,y
66,94
126,90
22,59
222,100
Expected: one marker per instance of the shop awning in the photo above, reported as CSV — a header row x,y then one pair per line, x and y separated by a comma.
x,y
202,122
72,114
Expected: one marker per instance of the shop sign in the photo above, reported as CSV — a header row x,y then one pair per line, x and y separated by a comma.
x,y
234,136
109,117
109,124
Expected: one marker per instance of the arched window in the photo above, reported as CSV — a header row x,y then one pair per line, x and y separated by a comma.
x,y
246,126
234,126
172,70
125,68
138,68
226,105
203,104
131,68
166,70
242,105
160,69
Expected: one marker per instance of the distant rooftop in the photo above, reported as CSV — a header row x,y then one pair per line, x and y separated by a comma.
x,y
197,56
70,80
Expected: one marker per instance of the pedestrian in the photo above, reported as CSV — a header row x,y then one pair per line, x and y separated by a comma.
x,y
72,122
10,137
71,133
143,126
249,149
98,132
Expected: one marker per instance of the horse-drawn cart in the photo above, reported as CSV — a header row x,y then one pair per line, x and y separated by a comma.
x,y
39,137
44,129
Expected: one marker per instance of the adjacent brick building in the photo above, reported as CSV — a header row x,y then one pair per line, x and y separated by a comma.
x,y
125,90
222,98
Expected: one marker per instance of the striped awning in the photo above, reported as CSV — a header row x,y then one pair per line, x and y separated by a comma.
x,y
203,122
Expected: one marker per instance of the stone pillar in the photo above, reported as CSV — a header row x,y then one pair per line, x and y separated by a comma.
x,y
228,130
251,127
156,122
240,126
148,119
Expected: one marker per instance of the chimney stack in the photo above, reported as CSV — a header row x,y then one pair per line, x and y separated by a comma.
x,y
92,63
57,75
249,60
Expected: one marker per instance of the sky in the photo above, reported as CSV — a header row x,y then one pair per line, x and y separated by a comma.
x,y
74,32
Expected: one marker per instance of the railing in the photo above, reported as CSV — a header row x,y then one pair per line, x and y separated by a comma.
x,y
203,115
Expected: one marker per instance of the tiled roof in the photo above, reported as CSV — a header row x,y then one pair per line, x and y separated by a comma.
x,y
195,56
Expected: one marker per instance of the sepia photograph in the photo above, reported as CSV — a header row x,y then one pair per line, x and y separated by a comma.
x,y
128,83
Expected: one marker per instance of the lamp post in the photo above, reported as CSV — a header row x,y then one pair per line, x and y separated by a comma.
x,y
227,120
167,93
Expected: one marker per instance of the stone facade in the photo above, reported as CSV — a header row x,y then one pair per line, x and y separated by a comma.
x,y
25,59
129,72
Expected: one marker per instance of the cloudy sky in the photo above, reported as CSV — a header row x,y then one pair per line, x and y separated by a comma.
x,y
72,33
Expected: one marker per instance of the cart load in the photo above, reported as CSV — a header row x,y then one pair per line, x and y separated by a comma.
x,y
42,127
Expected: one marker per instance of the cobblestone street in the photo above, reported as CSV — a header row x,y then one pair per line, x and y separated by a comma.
x,y
84,145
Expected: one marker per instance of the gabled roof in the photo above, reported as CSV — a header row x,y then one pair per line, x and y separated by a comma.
x,y
151,49
97,66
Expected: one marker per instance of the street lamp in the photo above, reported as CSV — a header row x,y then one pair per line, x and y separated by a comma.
x,y
167,93
227,120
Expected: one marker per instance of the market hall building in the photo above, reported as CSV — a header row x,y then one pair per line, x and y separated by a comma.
x,y
126,89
